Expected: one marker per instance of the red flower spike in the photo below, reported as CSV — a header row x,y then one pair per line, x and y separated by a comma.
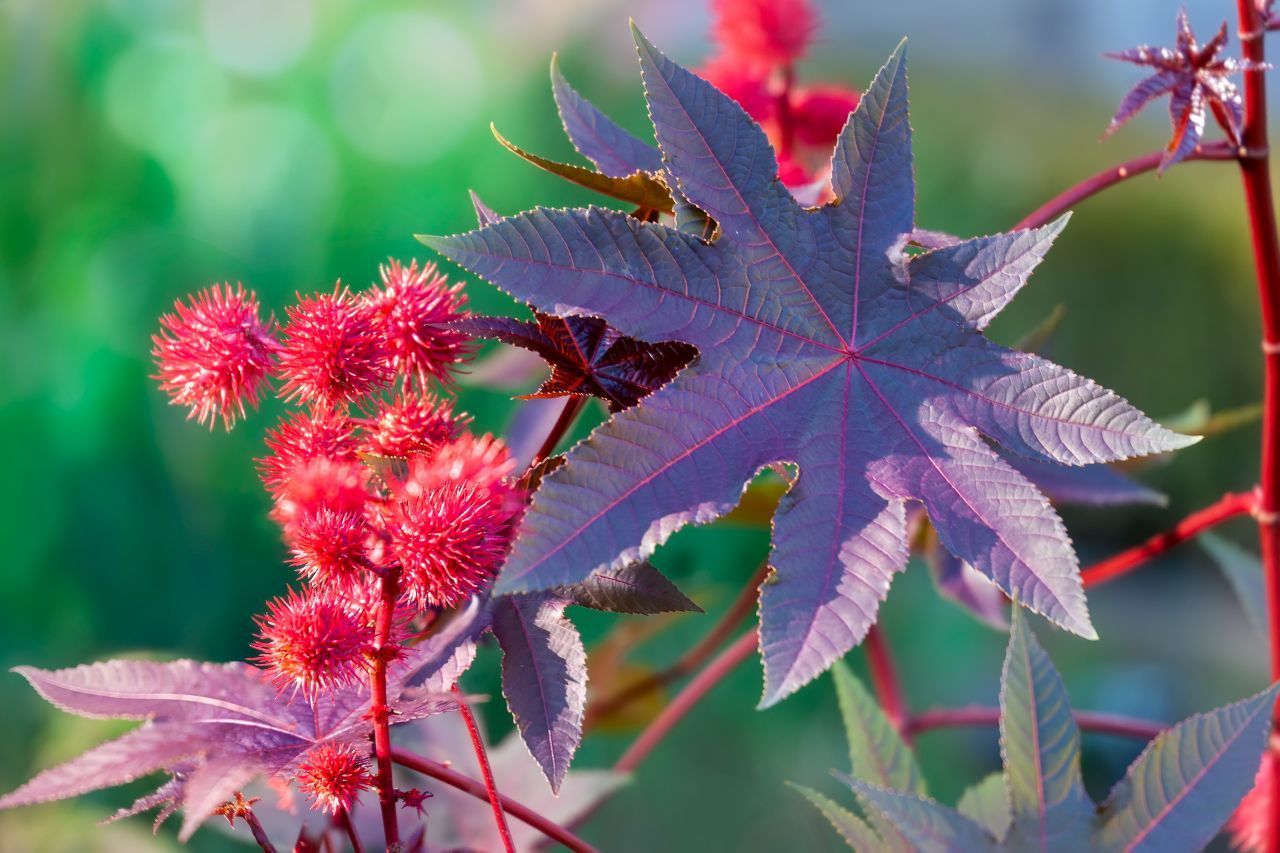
x,y
1195,78
329,547
764,33
334,351
333,775
312,643
214,353
411,424
301,438
480,461
450,542
237,808
412,310
340,485
820,113
415,799
1248,825
744,84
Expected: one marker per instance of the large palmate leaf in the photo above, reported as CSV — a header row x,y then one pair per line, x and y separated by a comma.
x,y
823,344
215,727
1175,797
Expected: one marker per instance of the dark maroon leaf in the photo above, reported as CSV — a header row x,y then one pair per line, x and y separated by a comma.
x,y
587,357
638,588
822,343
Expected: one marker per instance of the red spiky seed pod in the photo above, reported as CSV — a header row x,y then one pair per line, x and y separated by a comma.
x,y
213,354
744,84
334,352
311,642
340,485
329,547
764,33
1248,825
333,775
301,438
449,542
480,461
411,424
413,307
820,113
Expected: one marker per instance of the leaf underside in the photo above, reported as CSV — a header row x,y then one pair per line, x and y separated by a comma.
x,y
821,343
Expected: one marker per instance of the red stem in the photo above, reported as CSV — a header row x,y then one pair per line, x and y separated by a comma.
x,y
692,659
451,777
380,711
259,833
486,773
1227,507
782,103
560,428
686,699
349,827
1255,171
1068,198
884,678
1111,724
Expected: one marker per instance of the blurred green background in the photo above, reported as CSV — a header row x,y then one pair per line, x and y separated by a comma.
x,y
149,148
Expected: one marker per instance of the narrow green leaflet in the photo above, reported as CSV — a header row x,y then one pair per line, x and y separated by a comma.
x,y
876,751
1041,746
928,826
1243,571
1187,782
852,829
987,803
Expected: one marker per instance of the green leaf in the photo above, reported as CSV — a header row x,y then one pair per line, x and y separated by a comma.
x,y
852,829
987,803
1041,746
877,752
640,189
1186,783
1243,571
928,826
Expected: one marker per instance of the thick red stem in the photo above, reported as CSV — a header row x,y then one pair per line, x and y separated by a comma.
x,y
520,812
692,659
782,104
259,832
380,711
884,678
1070,197
1255,170
486,773
1227,507
1111,724
560,428
723,664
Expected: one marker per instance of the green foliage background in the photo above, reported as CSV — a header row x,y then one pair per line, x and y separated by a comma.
x,y
148,148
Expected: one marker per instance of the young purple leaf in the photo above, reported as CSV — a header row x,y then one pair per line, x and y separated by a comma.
x,y
1186,783
1196,79
820,344
544,677
614,151
1040,743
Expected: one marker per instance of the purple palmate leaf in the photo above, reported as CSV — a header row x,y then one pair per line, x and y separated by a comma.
x,y
214,726
821,343
614,151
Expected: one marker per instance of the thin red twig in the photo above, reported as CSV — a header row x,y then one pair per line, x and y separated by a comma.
x,y
1255,171
1068,198
259,832
884,678
653,734
1227,507
1112,724
694,657
379,710
560,428
520,812
486,773
349,827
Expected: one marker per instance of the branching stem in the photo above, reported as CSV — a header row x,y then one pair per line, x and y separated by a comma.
x,y
1111,724
379,710
486,773
520,812
572,408
884,678
1227,507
